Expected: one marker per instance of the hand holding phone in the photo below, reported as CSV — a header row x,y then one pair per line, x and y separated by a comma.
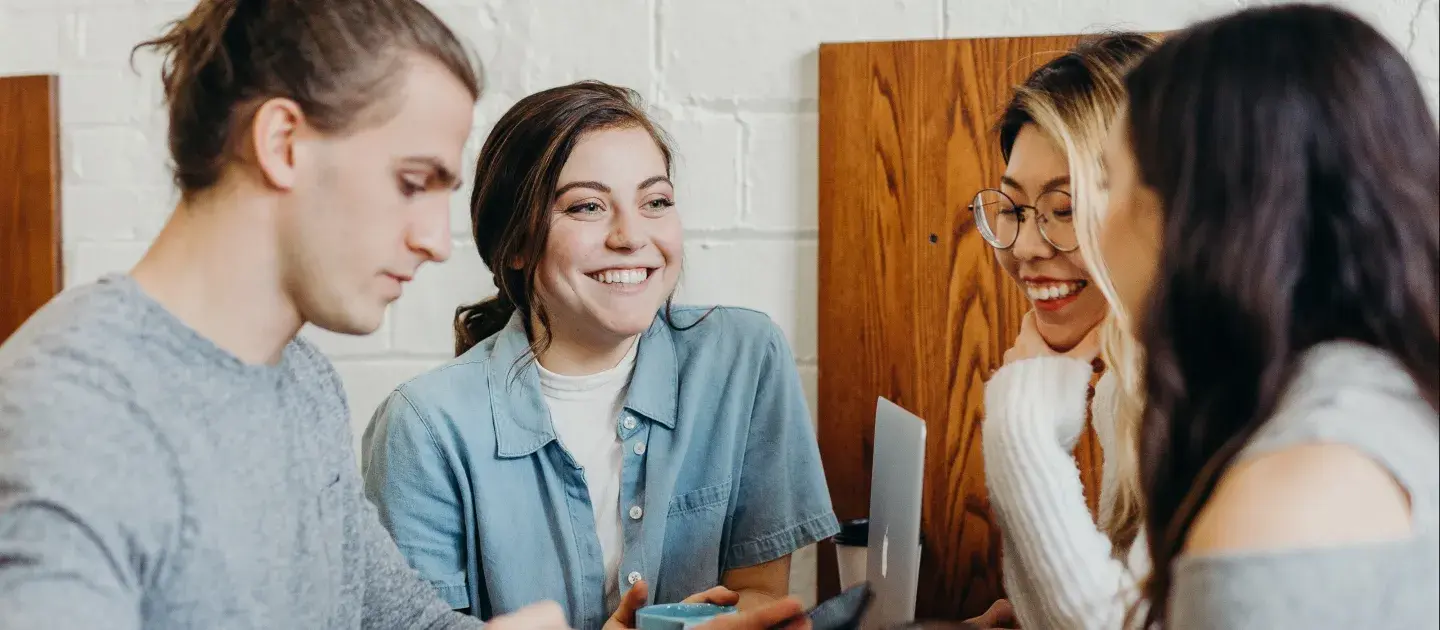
x,y
842,612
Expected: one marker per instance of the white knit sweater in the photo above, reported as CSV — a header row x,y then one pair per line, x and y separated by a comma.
x,y
1059,572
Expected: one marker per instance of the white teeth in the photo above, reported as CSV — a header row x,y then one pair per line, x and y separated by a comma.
x,y
621,276
1053,291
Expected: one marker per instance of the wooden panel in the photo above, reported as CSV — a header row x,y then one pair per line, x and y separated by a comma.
x,y
913,305
30,261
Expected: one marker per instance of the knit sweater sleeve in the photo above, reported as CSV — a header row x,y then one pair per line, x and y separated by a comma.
x,y
1058,567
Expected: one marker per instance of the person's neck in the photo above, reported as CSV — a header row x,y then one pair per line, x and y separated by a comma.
x,y
215,267
572,355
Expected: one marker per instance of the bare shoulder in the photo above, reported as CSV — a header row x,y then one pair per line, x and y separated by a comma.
x,y
1305,496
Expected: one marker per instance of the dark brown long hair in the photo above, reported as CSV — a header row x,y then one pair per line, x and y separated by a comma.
x,y
339,61
515,181
1296,162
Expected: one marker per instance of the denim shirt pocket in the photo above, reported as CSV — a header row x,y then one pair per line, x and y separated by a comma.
x,y
693,539
709,497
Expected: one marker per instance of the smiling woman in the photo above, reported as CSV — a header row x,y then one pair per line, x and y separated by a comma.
x,y
590,440
1064,567
613,253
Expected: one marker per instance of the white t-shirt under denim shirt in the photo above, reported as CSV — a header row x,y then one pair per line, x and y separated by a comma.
x,y
586,413
719,469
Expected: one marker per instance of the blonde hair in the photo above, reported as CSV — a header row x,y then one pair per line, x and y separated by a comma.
x,y
1073,100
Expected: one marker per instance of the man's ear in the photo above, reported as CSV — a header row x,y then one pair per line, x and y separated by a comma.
x,y
274,132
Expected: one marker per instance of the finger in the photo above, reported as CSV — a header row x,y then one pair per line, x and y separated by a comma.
x,y
1028,343
1027,323
1004,612
718,595
992,617
1030,333
633,600
787,611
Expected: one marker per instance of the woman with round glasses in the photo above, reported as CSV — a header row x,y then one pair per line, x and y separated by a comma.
x,y
1036,242
1062,568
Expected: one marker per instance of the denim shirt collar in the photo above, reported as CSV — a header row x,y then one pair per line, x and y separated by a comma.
x,y
522,419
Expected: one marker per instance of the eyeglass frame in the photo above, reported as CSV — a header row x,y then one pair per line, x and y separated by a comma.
x,y
1039,225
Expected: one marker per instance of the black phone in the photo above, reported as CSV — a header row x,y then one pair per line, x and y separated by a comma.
x,y
843,611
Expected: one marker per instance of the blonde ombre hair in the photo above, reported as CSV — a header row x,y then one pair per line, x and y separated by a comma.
x,y
1073,100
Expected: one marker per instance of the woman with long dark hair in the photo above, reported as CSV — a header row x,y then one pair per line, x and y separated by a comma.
x,y
1275,224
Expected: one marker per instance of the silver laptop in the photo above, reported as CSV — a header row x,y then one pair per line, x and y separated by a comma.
x,y
896,482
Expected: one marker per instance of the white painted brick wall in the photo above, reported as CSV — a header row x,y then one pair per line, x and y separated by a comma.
x,y
734,81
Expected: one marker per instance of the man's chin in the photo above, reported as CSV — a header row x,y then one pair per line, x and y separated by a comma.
x,y
357,324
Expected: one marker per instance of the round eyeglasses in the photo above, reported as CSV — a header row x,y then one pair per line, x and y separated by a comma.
x,y
1000,218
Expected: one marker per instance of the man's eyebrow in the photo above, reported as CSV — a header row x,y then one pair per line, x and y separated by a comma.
x,y
443,175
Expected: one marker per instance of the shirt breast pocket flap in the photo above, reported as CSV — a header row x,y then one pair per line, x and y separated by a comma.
x,y
330,495
710,497
328,482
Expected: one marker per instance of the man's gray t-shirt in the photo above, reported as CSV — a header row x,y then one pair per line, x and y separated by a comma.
x,y
149,479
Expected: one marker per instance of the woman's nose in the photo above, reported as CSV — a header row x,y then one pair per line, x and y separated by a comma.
x,y
1030,244
626,232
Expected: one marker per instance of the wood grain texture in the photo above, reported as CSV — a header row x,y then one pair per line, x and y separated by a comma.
x,y
913,305
30,258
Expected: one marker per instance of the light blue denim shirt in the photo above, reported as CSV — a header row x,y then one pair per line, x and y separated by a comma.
x,y
719,452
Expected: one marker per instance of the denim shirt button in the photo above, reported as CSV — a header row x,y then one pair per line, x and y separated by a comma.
x,y
629,423
633,577
636,512
639,448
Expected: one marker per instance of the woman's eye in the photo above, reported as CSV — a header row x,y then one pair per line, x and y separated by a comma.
x,y
588,207
660,203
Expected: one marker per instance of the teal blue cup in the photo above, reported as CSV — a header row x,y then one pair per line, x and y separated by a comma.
x,y
678,616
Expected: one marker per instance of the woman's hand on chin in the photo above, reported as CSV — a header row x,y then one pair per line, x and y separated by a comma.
x,y
1029,344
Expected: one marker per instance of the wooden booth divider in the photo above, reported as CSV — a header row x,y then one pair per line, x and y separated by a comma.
x,y
30,254
913,305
